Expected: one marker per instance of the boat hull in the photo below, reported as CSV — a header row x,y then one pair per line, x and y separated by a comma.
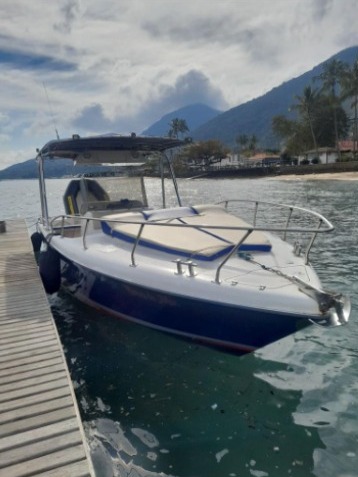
x,y
234,327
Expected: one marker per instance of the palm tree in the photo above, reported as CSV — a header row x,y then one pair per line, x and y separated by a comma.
x,y
243,140
306,106
349,83
332,72
177,126
253,143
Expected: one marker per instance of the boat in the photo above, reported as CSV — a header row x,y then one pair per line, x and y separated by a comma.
x,y
221,273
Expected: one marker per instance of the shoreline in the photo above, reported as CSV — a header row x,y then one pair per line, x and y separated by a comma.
x,y
334,176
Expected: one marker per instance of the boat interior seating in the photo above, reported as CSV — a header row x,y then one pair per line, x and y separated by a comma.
x,y
83,195
197,242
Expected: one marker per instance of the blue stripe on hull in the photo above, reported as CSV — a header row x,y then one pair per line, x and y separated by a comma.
x,y
222,325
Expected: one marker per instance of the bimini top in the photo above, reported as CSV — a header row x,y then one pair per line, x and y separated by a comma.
x,y
108,149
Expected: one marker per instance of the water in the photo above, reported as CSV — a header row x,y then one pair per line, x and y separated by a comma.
x,y
154,405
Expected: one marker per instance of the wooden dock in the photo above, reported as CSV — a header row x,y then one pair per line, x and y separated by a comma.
x,y
40,428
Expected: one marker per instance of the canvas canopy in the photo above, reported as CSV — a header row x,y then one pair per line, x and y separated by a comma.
x,y
114,149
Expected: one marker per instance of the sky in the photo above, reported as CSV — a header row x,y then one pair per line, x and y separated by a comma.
x,y
115,66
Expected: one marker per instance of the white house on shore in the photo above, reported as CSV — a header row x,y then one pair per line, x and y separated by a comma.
x,y
328,155
257,160
231,161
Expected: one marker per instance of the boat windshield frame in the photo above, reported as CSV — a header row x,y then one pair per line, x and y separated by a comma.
x,y
114,150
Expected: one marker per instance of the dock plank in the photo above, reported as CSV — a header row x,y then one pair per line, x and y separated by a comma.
x,y
29,350
31,385
9,366
47,462
54,416
16,315
40,427
40,448
35,400
17,341
39,434
24,329
40,372
76,469
35,392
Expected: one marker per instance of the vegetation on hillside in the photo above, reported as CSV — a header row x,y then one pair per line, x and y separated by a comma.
x,y
255,116
322,119
247,144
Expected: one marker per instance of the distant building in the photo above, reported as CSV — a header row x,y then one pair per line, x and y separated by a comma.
x,y
348,146
326,155
263,159
231,161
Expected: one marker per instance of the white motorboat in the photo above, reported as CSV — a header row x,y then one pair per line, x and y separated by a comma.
x,y
199,271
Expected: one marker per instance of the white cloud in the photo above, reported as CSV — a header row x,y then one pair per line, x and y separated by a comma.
x,y
122,65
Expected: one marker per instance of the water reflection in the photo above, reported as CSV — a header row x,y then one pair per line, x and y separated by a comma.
x,y
321,367
156,405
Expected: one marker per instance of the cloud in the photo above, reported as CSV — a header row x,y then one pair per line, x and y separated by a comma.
x,y
70,11
321,8
92,118
222,28
191,87
120,66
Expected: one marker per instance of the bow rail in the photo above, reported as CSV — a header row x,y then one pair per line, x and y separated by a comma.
x,y
317,225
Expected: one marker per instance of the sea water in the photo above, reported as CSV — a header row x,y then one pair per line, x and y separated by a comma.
x,y
155,405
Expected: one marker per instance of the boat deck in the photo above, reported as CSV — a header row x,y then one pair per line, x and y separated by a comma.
x,y
40,427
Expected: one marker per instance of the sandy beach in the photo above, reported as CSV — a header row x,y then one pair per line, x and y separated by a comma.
x,y
332,176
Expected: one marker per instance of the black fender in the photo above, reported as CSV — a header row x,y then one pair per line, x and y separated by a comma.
x,y
50,270
36,240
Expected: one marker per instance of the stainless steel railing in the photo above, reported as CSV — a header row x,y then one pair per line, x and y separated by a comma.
x,y
58,224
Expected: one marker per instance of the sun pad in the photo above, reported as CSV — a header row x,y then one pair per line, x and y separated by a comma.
x,y
199,244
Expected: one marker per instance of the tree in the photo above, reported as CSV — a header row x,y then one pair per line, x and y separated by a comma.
x,y
253,143
307,105
297,133
247,144
291,132
177,127
327,126
332,72
206,153
242,140
283,128
349,85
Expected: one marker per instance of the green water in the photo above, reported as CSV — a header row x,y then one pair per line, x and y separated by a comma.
x,y
154,405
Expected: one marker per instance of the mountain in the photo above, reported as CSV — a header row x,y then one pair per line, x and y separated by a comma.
x,y
195,115
28,170
255,116
53,169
